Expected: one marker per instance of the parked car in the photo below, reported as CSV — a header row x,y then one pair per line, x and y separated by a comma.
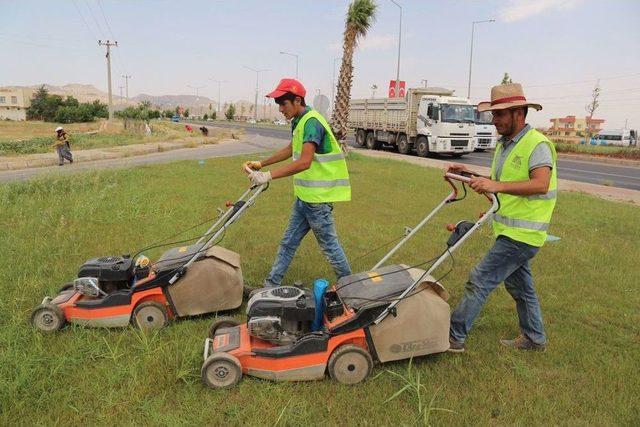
x,y
175,118
280,122
253,122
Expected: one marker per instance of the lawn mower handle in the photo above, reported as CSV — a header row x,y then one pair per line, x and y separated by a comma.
x,y
465,177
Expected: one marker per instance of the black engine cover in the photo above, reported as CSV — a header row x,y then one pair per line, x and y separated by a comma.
x,y
108,268
286,302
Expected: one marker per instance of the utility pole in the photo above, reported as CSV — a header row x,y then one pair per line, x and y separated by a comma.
x,y
121,87
294,55
108,44
126,83
219,100
197,88
255,104
425,82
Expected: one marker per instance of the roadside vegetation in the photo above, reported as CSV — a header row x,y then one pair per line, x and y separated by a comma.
x,y
20,138
49,226
629,153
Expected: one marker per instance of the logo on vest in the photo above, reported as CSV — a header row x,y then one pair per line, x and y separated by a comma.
x,y
516,161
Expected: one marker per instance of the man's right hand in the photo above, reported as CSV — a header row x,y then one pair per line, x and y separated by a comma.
x,y
455,168
252,164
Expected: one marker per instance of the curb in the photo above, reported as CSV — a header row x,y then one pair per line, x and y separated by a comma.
x,y
599,159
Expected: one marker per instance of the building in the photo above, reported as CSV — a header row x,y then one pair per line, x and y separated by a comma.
x,y
573,129
14,103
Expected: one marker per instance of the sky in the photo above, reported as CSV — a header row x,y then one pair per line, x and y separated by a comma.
x,y
558,49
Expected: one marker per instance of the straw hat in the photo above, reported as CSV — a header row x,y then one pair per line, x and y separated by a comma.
x,y
507,96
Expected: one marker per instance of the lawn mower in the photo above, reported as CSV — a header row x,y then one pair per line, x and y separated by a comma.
x,y
390,313
114,291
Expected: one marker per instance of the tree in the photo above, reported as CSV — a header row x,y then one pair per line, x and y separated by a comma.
x,y
36,109
506,79
213,115
186,113
231,112
591,108
360,17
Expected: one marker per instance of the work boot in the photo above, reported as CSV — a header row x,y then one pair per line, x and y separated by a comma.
x,y
522,342
456,346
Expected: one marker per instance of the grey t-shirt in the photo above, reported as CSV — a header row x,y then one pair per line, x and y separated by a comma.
x,y
541,155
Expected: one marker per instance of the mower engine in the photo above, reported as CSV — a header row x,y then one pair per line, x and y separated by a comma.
x,y
281,315
101,276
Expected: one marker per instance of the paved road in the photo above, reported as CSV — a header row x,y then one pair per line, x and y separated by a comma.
x,y
576,170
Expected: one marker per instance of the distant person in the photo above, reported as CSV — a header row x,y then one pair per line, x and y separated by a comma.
x,y
523,176
62,146
204,130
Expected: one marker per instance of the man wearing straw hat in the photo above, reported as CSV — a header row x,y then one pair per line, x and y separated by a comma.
x,y
523,176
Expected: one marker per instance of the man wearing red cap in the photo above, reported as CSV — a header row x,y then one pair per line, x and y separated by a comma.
x,y
320,178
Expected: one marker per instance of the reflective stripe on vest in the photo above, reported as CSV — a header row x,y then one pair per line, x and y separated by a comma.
x,y
524,218
316,184
327,178
520,223
322,158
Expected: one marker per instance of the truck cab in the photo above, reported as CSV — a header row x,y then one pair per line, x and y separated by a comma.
x,y
448,123
486,135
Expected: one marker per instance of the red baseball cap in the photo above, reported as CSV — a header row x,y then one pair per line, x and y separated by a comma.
x,y
288,86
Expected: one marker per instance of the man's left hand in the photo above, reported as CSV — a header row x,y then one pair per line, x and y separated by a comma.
x,y
484,185
259,178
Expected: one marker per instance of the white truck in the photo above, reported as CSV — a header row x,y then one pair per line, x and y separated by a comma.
x,y
431,120
486,134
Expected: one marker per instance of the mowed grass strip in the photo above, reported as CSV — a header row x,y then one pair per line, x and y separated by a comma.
x,y
588,284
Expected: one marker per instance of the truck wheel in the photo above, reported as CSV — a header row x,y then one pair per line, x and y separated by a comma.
x,y
350,364
150,315
422,146
372,143
221,370
457,155
361,137
221,322
404,147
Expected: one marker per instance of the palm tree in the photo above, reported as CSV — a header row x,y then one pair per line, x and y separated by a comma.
x,y
360,16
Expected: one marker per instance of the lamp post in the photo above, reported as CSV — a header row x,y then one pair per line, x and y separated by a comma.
x,y
255,106
399,43
219,83
197,96
473,24
296,56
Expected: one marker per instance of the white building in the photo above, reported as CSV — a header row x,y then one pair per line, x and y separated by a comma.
x,y
14,103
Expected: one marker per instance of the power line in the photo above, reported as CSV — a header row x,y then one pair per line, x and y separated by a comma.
x,y
94,18
106,21
83,20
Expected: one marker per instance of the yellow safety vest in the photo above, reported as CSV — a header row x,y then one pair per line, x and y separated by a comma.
x,y
524,218
327,179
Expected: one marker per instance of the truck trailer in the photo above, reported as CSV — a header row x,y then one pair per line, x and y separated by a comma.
x,y
429,120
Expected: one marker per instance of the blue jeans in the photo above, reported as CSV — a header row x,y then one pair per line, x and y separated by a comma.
x,y
317,217
507,261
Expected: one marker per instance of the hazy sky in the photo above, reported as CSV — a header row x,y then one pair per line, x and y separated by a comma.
x,y
557,49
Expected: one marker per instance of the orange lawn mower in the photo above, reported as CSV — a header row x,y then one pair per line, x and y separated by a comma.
x,y
389,313
115,291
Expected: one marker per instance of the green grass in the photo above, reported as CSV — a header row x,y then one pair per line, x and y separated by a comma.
x,y
26,137
631,153
588,285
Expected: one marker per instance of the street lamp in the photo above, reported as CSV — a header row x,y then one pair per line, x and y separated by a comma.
x,y
333,81
292,54
219,82
471,54
399,42
255,106
197,97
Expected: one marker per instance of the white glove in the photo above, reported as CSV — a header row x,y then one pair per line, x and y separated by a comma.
x,y
259,178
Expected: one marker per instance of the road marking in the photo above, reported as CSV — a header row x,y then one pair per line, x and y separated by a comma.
x,y
561,169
